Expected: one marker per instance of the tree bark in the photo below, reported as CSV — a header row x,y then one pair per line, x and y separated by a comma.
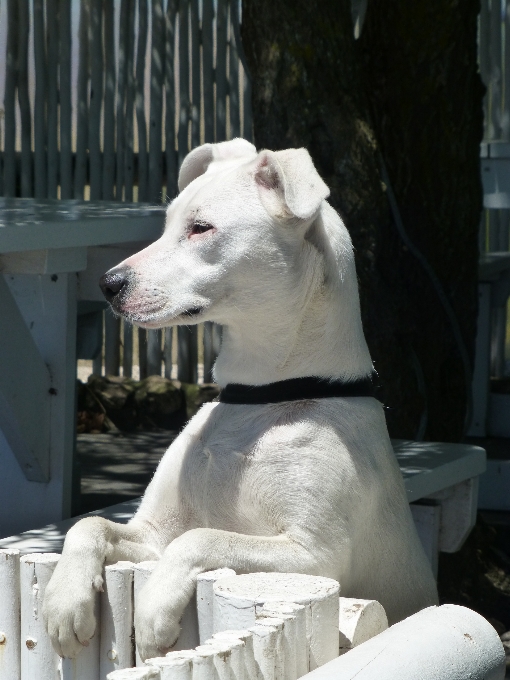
x,y
413,93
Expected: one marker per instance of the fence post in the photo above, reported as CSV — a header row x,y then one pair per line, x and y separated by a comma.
x,y
10,667
116,646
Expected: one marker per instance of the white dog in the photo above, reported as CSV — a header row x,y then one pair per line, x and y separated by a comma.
x,y
307,485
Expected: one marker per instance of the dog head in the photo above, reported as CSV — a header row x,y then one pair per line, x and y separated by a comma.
x,y
233,239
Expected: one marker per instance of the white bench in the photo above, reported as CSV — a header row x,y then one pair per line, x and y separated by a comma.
x,y
441,481
52,254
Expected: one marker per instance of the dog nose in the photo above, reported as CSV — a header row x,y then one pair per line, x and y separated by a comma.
x,y
112,283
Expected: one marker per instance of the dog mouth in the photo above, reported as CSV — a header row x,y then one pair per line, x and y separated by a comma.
x,y
193,311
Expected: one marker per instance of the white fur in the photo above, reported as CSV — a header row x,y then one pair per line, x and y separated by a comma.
x,y
310,486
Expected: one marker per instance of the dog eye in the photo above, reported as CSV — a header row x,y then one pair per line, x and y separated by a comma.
x,y
198,228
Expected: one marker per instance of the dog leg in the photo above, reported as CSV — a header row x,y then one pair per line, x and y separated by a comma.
x,y
172,583
68,607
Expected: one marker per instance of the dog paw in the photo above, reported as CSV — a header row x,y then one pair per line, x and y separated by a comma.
x,y
68,611
156,631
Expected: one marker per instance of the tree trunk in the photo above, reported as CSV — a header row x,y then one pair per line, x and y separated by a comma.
x,y
315,86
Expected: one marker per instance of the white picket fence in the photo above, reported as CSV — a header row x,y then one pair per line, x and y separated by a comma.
x,y
248,627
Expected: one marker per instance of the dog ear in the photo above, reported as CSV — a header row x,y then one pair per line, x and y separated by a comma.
x,y
198,160
292,174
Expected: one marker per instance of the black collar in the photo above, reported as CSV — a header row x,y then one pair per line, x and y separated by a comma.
x,y
296,389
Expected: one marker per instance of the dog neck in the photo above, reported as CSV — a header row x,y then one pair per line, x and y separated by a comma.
x,y
316,332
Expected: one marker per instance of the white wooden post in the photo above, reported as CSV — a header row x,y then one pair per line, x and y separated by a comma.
x,y
427,520
236,650
38,659
144,673
236,599
248,669
265,643
9,615
437,643
294,644
205,599
47,304
294,616
116,647
142,571
204,667
360,620
174,666
281,658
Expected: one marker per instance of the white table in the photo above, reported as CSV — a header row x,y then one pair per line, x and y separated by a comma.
x,y
441,481
51,254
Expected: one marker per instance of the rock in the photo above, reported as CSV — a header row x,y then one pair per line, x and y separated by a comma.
x,y
197,395
160,402
113,396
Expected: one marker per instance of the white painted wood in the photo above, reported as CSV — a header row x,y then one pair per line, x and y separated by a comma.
x,y
173,666
494,486
48,307
38,659
189,637
458,513
36,225
281,658
142,571
248,668
230,663
26,429
437,643
236,599
265,643
428,467
294,634
427,520
145,673
360,620
204,667
116,646
9,615
54,261
205,600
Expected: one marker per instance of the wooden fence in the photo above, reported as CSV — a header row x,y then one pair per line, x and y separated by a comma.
x,y
102,99
494,59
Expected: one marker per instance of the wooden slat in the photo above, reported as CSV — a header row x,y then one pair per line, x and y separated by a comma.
x,y
170,152
233,86
167,352
129,159
247,126
80,171
66,180
505,121
11,79
154,353
195,75
111,344
139,100
127,350
221,71
97,363
208,351
495,66
182,137
40,101
53,38
208,69
156,102
142,352
187,354
109,102
96,97
23,98
125,7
